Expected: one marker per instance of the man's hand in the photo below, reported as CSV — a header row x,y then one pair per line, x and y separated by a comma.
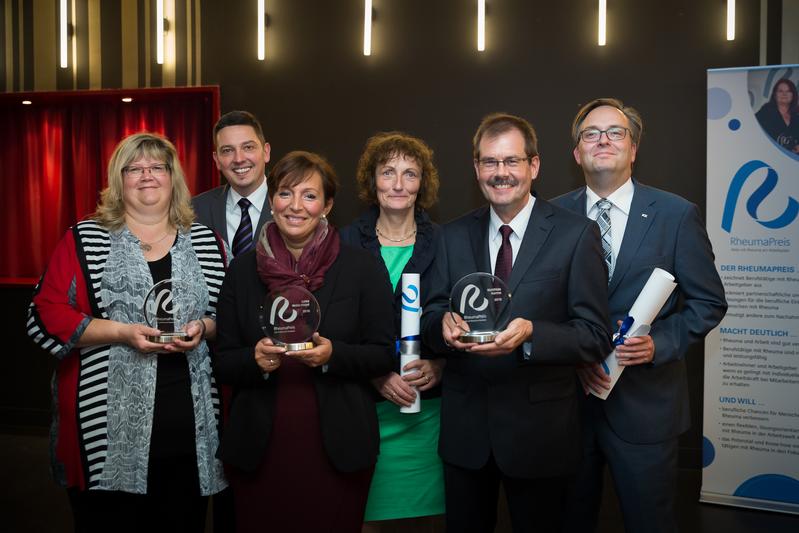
x,y
452,326
593,378
636,351
518,331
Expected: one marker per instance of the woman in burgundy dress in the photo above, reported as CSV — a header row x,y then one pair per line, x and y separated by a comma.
x,y
301,437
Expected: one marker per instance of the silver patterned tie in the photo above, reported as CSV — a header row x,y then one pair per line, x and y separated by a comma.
x,y
603,219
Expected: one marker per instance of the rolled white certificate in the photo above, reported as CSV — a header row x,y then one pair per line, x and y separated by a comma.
x,y
410,346
639,320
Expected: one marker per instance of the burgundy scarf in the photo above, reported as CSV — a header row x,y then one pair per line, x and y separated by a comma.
x,y
278,268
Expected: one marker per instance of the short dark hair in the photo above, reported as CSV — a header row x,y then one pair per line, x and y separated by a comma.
x,y
295,167
239,118
387,145
496,124
633,117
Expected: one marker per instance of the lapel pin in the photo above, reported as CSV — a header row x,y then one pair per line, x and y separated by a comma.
x,y
644,215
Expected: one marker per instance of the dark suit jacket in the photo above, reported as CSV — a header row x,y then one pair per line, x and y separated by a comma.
x,y
210,209
357,317
650,402
525,412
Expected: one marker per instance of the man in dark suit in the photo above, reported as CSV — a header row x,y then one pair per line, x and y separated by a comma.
x,y
237,210
509,413
635,431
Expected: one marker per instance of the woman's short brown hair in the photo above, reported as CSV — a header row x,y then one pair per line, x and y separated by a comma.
x,y
385,146
295,167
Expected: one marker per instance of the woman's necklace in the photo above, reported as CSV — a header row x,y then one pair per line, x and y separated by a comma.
x,y
401,239
147,246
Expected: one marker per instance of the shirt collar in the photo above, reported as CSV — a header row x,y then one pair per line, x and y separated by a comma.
x,y
257,197
622,198
518,224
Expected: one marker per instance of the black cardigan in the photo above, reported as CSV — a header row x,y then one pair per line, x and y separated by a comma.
x,y
356,316
361,233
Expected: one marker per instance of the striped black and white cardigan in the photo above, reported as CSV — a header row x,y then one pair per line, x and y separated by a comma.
x,y
70,293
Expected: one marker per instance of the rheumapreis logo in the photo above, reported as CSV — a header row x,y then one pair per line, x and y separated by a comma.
x,y
280,307
758,196
470,295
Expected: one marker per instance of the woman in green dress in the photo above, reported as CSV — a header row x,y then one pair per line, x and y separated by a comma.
x,y
398,180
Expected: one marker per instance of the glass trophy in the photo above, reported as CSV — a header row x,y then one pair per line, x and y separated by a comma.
x,y
482,300
290,316
168,307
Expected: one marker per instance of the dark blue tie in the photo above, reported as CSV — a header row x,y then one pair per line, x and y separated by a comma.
x,y
242,242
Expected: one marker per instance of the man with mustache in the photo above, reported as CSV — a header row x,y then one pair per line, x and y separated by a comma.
x,y
239,209
635,430
509,411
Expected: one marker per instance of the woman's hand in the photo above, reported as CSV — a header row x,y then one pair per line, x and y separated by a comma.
x,y
268,356
196,332
135,335
427,375
316,356
395,389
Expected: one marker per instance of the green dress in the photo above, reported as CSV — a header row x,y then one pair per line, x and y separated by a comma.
x,y
409,478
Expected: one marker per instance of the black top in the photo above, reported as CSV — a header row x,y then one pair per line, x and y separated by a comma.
x,y
361,233
356,317
770,119
173,416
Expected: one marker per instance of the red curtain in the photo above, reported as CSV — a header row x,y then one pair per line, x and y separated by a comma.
x,y
54,154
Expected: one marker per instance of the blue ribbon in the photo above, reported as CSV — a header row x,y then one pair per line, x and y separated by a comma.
x,y
618,337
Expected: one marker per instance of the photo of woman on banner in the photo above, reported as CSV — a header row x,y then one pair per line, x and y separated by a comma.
x,y
779,117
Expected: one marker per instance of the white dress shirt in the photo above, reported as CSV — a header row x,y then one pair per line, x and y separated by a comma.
x,y
518,225
620,200
233,211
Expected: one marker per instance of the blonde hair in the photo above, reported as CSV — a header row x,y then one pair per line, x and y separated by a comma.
x,y
110,211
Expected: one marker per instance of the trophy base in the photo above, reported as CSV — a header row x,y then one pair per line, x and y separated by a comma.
x,y
166,338
479,337
296,346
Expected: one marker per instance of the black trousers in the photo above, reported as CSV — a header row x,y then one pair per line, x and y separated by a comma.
x,y
173,503
644,477
535,505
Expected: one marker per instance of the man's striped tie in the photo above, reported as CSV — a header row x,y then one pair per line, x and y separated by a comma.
x,y
603,219
242,242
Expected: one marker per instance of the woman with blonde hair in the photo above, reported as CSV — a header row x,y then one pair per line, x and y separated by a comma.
x,y
135,421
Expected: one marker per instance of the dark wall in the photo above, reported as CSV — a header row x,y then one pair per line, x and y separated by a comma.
x,y
316,91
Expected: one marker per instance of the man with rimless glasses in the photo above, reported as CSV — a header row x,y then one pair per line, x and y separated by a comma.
x,y
509,408
635,431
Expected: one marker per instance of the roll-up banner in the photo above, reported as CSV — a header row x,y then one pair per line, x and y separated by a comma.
x,y
751,389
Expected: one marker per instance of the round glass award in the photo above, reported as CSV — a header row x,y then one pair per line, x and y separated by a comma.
x,y
290,316
168,307
482,300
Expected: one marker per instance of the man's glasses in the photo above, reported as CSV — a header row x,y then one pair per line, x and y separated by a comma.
x,y
509,162
614,133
